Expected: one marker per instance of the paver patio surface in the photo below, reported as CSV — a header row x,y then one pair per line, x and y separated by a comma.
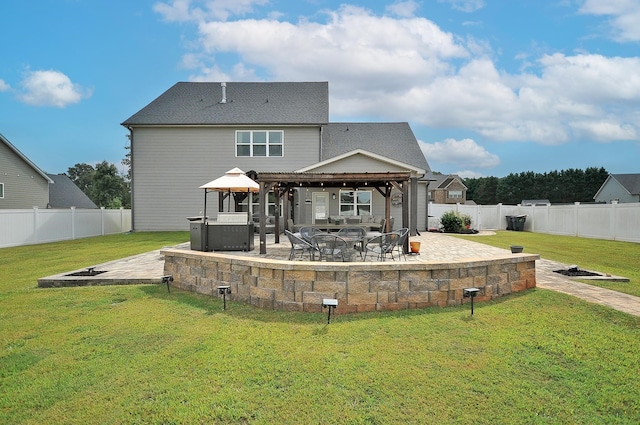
x,y
148,267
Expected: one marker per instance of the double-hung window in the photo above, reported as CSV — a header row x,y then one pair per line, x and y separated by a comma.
x,y
260,143
455,194
355,202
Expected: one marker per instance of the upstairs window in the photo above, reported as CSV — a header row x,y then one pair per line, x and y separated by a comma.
x,y
456,194
265,143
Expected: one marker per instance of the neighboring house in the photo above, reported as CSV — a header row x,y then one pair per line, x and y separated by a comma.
x,y
447,189
619,187
195,132
22,183
65,194
535,202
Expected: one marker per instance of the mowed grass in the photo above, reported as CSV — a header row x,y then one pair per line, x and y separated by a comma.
x,y
613,257
139,355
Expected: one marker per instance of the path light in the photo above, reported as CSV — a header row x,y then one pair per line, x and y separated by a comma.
x,y
470,293
224,290
166,279
331,303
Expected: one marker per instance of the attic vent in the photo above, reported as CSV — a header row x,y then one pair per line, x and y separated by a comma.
x,y
224,92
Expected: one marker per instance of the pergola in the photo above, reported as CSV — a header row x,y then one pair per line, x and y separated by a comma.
x,y
283,184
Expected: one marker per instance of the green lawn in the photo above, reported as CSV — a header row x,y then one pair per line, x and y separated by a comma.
x,y
139,355
613,257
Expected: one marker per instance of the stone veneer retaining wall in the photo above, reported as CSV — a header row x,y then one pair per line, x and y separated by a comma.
x,y
301,285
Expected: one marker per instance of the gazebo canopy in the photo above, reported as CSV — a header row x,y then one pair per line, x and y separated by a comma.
x,y
234,180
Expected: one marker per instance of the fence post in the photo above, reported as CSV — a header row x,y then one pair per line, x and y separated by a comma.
x,y
576,217
73,223
35,224
499,211
121,220
102,220
614,219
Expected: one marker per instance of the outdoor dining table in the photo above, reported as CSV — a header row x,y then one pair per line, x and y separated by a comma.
x,y
351,241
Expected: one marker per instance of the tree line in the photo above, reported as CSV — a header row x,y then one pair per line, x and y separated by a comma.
x,y
102,184
565,186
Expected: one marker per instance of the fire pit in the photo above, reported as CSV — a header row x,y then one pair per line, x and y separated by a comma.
x,y
575,271
91,271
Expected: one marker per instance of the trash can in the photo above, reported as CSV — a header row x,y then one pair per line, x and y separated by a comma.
x,y
518,223
196,233
510,222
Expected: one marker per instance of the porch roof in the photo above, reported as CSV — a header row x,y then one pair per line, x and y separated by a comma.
x,y
350,180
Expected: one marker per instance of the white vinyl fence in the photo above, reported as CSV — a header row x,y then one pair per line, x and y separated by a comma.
x,y
613,221
32,226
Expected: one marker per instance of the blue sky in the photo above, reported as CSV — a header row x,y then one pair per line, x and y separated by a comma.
x,y
489,87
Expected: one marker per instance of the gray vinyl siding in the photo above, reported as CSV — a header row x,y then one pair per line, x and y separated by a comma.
x,y
23,186
357,164
613,190
362,164
169,165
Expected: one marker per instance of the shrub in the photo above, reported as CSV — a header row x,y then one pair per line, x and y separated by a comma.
x,y
451,222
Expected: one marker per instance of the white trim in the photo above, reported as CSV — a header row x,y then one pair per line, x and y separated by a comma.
x,y
372,155
266,145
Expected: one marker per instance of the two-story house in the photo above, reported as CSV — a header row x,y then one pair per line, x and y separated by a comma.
x,y
195,132
447,189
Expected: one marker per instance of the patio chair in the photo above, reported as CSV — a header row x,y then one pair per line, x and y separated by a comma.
x,y
382,246
329,246
298,245
354,235
402,234
307,232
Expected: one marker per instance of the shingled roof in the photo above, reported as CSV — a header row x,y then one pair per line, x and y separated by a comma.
x,y
391,140
65,194
199,103
631,182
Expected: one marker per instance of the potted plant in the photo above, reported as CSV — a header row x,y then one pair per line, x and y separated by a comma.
x,y
466,220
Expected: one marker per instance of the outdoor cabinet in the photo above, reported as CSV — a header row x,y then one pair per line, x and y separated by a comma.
x,y
230,237
197,236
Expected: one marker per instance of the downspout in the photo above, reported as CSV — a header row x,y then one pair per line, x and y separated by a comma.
x,y
320,150
130,137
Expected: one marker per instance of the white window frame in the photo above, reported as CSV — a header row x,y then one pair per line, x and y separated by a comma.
x,y
355,203
455,194
268,144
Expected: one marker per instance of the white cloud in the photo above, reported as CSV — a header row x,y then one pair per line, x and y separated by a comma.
x,y
464,152
50,88
625,15
201,10
469,174
465,5
405,9
408,69
4,86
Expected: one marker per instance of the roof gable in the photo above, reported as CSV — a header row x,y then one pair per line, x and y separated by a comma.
x,y
442,181
630,182
394,141
23,157
199,103
362,152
